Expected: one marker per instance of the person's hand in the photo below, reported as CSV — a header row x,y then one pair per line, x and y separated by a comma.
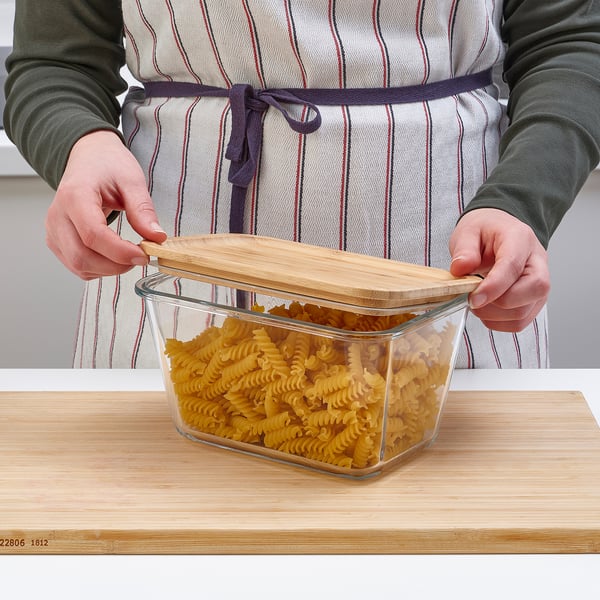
x,y
514,264
101,175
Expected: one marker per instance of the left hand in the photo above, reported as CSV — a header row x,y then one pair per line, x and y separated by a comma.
x,y
506,251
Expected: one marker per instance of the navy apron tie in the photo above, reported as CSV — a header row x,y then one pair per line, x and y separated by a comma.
x,y
248,105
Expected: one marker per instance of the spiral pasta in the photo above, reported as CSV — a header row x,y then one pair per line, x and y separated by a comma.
x,y
346,403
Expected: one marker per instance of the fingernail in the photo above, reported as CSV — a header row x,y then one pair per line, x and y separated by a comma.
x,y
477,300
156,227
455,258
139,261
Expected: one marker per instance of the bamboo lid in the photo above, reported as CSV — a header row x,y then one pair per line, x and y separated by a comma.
x,y
251,261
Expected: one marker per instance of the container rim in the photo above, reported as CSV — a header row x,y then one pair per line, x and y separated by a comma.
x,y
146,289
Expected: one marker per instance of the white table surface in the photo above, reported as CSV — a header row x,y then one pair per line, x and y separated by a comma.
x,y
481,577
585,380
12,164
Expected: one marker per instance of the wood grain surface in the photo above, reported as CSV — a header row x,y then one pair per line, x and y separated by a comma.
x,y
99,472
293,267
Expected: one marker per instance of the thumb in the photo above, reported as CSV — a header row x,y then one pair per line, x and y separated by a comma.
x,y
463,264
141,215
465,253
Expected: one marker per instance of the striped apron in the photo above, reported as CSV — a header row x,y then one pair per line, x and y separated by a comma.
x,y
386,179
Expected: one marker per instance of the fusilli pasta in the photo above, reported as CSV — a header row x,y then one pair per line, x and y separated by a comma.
x,y
350,404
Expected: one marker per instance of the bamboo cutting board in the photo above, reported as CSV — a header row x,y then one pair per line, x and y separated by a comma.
x,y
511,472
254,262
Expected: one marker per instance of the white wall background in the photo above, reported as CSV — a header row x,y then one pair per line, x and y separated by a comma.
x,y
573,307
7,11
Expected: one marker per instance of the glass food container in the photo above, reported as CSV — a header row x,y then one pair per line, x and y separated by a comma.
x,y
339,379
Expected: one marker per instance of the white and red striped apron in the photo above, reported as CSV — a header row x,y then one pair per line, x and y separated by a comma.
x,y
385,179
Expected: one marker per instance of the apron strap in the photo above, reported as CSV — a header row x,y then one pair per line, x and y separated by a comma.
x,y
248,104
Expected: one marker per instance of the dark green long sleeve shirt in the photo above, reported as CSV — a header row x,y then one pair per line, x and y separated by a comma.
x,y
64,77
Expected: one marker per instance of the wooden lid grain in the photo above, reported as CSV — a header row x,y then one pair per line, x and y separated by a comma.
x,y
298,268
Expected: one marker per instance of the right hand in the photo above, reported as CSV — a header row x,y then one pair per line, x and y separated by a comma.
x,y
101,175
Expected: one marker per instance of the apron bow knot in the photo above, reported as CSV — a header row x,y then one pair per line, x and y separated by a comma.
x,y
247,108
